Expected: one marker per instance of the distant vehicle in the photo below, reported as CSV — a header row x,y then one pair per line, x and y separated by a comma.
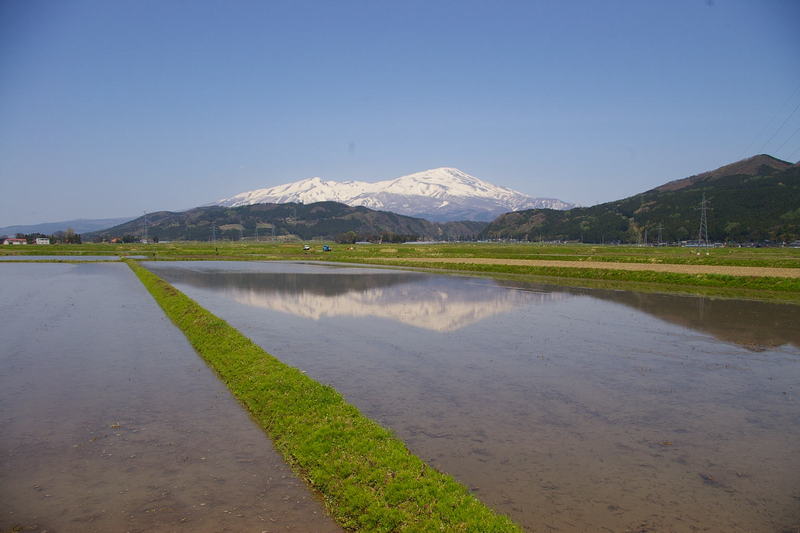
x,y
306,247
326,248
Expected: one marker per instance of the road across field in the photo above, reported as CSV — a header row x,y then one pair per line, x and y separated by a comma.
x,y
645,267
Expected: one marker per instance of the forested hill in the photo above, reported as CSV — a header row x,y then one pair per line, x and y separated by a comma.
x,y
754,199
330,220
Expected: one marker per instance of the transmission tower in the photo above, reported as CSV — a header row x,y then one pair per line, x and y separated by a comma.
x,y
660,227
702,234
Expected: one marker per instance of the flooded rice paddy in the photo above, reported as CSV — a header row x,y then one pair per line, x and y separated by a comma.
x,y
111,422
568,409
66,257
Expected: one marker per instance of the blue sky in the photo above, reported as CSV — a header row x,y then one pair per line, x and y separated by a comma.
x,y
113,108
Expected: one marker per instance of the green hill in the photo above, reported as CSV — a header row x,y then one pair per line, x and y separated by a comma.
x,y
329,220
754,199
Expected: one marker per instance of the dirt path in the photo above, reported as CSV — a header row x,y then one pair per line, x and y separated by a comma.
x,y
651,267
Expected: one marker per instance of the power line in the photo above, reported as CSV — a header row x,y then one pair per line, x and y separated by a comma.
x,y
789,138
796,152
781,126
765,128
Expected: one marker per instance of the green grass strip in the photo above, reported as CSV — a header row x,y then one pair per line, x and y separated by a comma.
x,y
369,480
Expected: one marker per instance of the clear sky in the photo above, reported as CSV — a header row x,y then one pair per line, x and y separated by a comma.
x,y
111,108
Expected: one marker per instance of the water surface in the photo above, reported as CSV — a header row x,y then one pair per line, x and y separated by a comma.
x,y
111,422
66,257
569,410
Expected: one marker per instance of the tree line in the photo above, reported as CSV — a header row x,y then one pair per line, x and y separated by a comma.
x,y
59,237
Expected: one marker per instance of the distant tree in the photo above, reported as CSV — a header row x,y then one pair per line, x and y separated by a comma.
x,y
31,237
348,237
70,237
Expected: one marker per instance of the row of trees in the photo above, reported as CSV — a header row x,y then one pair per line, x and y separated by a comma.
x,y
60,237
351,237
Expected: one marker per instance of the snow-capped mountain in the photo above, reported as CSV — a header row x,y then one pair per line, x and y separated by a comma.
x,y
440,194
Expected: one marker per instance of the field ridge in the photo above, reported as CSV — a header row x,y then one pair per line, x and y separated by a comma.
x,y
368,478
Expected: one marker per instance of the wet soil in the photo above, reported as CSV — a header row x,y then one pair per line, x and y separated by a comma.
x,y
568,409
111,422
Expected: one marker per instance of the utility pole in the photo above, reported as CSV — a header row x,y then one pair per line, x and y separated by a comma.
x,y
702,234
660,227
145,227
256,231
213,232
645,236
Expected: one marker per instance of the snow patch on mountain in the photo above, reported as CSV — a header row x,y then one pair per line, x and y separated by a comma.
x,y
439,194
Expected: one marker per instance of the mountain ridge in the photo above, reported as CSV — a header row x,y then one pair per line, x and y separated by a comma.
x,y
750,166
329,220
439,194
79,225
754,199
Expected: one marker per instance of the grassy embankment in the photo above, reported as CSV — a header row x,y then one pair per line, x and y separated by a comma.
x,y
367,477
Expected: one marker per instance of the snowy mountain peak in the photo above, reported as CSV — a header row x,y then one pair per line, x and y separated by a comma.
x,y
450,181
444,193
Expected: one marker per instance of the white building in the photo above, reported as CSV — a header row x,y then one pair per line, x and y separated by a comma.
x,y
42,240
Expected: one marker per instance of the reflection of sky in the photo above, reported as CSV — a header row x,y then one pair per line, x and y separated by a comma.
x,y
449,303
436,303
435,308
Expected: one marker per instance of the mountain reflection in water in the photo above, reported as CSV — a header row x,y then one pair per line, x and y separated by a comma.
x,y
433,303
449,303
756,326
568,409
